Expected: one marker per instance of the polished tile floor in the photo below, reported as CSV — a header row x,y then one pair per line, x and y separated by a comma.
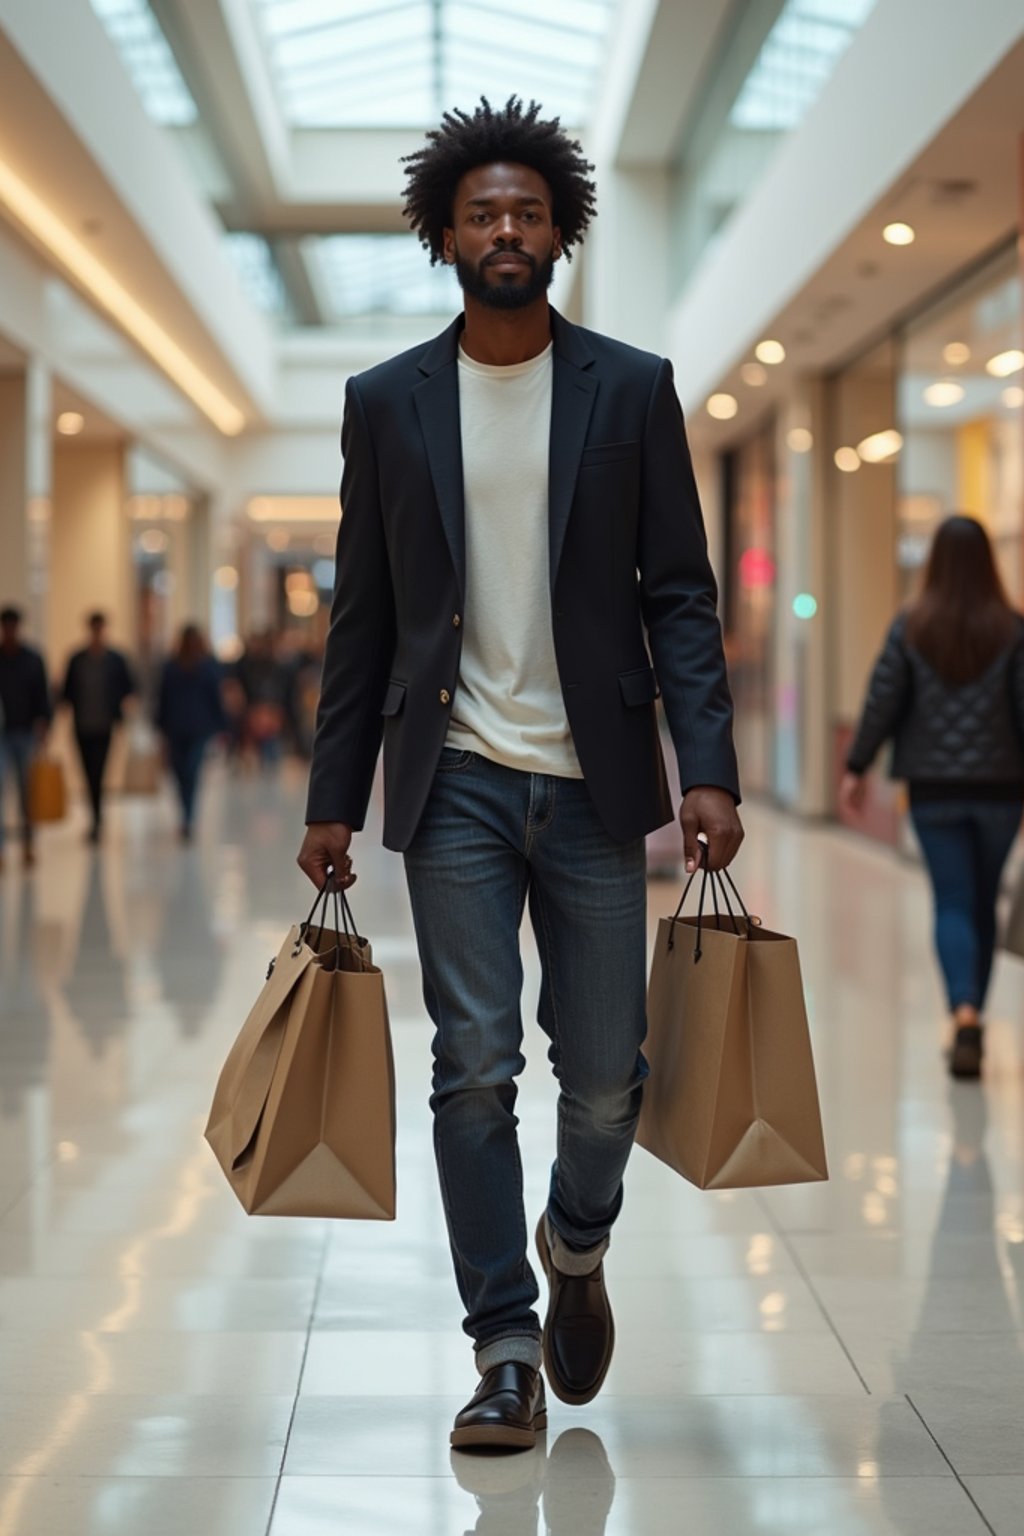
x,y
844,1358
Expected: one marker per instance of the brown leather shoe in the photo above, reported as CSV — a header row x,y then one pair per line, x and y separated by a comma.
x,y
507,1409
579,1331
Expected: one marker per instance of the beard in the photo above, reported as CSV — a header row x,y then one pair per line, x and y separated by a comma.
x,y
509,291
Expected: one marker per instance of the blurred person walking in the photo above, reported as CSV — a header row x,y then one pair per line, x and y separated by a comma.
x,y
521,535
25,715
265,683
948,690
189,713
97,683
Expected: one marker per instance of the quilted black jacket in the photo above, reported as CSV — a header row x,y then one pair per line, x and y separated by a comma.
x,y
970,734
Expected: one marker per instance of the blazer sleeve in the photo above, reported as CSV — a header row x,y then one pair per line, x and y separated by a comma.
x,y
1016,678
360,640
886,704
678,598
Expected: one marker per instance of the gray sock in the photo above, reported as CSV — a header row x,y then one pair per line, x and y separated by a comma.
x,y
567,1259
524,1347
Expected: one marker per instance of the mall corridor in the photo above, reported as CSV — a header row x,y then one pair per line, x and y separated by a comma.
x,y
844,1358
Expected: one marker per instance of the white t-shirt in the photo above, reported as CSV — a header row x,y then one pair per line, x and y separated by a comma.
x,y
508,705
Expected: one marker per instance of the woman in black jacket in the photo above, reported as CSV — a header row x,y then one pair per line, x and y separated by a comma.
x,y
189,712
948,688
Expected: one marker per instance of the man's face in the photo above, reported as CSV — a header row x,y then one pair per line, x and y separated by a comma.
x,y
9,632
97,632
503,243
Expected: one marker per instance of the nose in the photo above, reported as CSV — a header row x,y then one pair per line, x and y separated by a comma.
x,y
506,233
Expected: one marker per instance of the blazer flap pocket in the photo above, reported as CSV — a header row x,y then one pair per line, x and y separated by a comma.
x,y
639,687
394,698
608,453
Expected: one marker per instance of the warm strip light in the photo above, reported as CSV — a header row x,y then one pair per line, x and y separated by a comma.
x,y
44,225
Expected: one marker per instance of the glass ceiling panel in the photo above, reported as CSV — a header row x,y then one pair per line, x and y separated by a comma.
x,y
147,57
796,61
253,261
363,63
381,275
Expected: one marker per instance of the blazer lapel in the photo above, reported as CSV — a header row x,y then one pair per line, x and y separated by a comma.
x,y
572,401
437,404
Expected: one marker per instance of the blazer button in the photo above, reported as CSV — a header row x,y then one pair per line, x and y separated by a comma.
x,y
457,620
445,696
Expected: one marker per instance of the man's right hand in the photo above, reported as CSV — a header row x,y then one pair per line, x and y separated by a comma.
x,y
325,846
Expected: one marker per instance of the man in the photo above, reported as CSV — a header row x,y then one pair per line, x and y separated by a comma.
x,y
97,683
25,715
520,523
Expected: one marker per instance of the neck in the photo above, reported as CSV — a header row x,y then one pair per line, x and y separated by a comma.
x,y
502,337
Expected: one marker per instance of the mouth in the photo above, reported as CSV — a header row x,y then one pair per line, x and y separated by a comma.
x,y
507,263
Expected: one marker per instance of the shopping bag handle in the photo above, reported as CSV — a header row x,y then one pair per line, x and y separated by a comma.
x,y
721,883
344,922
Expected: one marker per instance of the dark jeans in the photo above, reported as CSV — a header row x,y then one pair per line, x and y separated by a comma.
x,y
490,838
965,844
93,748
185,755
17,749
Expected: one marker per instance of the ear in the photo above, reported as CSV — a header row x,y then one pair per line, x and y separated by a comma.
x,y
556,244
449,247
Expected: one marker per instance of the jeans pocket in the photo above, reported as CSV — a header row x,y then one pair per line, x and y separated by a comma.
x,y
452,760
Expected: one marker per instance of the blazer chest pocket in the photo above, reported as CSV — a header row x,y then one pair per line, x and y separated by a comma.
x,y
609,453
394,698
639,687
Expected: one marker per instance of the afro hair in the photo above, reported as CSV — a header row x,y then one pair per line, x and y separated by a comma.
x,y
516,135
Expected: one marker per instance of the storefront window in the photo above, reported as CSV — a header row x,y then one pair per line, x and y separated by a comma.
x,y
961,394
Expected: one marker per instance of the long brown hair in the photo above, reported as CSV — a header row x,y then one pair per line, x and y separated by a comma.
x,y
963,619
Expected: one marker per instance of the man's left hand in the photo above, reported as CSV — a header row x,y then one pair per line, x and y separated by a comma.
x,y
713,812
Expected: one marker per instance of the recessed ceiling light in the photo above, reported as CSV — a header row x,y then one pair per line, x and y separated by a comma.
x,y
899,234
70,423
278,539
1013,397
956,354
1005,363
753,374
880,446
848,460
943,392
800,440
153,541
723,407
770,352
226,578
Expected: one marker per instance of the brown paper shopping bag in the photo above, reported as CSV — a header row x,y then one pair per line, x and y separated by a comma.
x,y
303,1117
731,1101
47,794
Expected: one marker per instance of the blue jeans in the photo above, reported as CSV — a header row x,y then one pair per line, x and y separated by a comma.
x,y
965,844
491,838
17,749
185,755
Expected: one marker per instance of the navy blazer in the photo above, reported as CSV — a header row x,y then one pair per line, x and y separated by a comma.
x,y
629,575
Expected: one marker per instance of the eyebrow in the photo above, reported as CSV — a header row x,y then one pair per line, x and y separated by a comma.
x,y
483,202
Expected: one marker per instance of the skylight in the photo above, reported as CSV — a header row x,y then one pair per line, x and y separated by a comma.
x,y
796,61
258,273
147,57
380,275
401,63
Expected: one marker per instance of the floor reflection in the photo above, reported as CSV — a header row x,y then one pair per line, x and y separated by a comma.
x,y
189,955
573,1484
27,953
96,986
